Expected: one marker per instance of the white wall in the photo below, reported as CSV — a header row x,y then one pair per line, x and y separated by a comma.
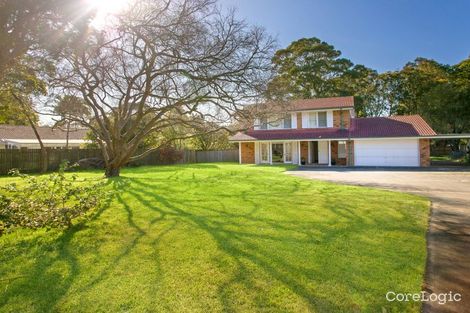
x,y
329,118
386,152
294,120
257,153
295,153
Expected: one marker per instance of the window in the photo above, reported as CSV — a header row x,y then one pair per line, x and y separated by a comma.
x,y
263,123
321,119
279,122
276,123
342,149
288,152
264,153
288,121
312,120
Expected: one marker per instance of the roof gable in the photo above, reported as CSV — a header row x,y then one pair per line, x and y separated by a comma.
x,y
369,127
46,133
393,126
321,103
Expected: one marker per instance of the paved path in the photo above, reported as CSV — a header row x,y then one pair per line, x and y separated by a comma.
x,y
448,264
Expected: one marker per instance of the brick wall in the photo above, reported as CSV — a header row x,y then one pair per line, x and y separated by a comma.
x,y
424,152
299,120
304,150
350,153
334,154
341,119
247,152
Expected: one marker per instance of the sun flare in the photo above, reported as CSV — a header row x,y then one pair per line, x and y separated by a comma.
x,y
104,9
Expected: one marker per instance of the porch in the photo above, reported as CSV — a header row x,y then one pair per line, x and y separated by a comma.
x,y
319,152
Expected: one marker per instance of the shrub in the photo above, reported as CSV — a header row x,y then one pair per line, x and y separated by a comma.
x,y
169,155
52,201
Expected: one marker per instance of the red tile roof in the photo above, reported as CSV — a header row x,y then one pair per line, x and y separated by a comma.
x,y
289,134
393,126
26,132
370,127
302,104
321,103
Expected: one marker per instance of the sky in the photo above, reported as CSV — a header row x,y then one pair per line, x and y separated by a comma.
x,y
383,35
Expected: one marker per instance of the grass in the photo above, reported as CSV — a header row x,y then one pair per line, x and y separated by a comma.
x,y
448,158
223,238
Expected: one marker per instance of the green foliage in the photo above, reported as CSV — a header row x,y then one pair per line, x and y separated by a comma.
x,y
311,68
20,83
439,93
71,108
223,238
32,26
52,201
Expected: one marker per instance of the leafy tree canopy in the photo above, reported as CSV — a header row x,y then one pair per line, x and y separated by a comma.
x,y
311,68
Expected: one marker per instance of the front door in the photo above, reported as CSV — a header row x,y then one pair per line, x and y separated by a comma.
x,y
323,152
277,153
314,152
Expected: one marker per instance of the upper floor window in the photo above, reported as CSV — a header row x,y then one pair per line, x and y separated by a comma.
x,y
277,122
312,120
263,123
322,119
288,121
317,119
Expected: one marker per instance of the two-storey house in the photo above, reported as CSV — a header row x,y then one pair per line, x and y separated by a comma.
x,y
326,131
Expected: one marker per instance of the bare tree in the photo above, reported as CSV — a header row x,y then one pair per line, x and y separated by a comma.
x,y
160,64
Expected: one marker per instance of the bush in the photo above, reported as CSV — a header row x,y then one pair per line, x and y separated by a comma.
x,y
52,201
169,155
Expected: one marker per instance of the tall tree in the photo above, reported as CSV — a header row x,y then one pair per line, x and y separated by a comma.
x,y
209,136
311,68
29,25
378,97
162,57
69,108
17,89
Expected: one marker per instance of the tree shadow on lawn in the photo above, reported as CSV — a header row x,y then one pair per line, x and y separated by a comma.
x,y
253,248
269,250
49,286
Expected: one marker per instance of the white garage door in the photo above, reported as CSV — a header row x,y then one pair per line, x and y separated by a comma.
x,y
390,152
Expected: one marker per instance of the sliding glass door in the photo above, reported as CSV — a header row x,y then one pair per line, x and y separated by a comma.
x,y
277,152
264,152
288,152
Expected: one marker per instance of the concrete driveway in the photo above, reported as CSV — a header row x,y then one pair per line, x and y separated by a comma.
x,y
448,264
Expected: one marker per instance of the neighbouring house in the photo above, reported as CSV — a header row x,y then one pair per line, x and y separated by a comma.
x,y
326,131
23,137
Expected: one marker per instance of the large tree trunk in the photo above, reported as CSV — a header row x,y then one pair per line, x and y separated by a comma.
x,y
112,171
44,159
27,112
67,135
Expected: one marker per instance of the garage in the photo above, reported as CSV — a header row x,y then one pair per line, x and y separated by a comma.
x,y
386,152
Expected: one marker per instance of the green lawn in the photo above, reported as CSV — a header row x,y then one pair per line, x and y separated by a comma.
x,y
447,158
223,237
